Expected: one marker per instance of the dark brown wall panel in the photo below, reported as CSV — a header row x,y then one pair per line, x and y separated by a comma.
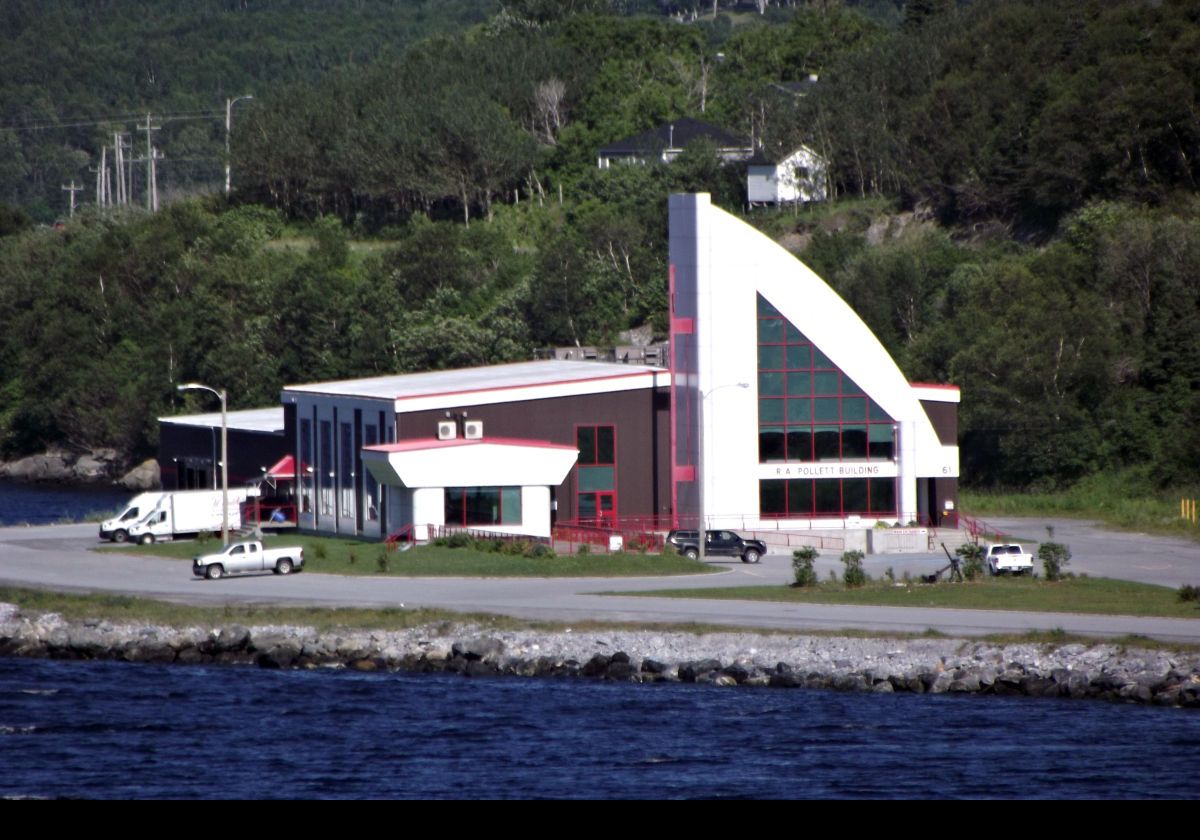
x,y
640,418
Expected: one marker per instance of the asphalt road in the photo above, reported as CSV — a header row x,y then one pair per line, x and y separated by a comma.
x,y
59,557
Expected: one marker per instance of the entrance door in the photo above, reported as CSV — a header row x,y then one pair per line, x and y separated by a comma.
x,y
607,509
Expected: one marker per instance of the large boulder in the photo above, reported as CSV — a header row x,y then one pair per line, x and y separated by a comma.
x,y
145,476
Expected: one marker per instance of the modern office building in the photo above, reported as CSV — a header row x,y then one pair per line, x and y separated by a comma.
x,y
779,410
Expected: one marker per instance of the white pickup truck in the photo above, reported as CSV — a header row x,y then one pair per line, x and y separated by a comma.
x,y
1008,558
248,557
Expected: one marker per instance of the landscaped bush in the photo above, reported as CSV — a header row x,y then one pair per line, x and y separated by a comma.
x,y
1188,593
854,574
459,539
1054,557
972,560
802,566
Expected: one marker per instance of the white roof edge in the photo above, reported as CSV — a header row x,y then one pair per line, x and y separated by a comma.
x,y
489,382
268,419
937,393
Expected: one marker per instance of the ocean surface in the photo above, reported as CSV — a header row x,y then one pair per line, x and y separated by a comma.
x,y
46,504
119,730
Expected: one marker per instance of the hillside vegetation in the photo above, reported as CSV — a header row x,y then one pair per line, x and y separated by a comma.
x,y
1015,205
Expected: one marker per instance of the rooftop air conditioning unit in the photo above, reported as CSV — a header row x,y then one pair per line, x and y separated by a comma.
x,y
447,430
473,430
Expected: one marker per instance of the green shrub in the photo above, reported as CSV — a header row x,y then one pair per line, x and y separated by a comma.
x,y
537,550
352,556
319,551
1054,557
381,561
459,539
854,574
972,560
584,548
833,578
890,574
1188,593
802,566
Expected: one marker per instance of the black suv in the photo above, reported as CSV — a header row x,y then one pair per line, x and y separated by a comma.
x,y
717,544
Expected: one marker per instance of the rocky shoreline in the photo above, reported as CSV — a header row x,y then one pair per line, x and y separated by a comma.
x,y
100,466
926,665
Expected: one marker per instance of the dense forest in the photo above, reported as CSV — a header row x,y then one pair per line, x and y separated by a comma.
x,y
415,186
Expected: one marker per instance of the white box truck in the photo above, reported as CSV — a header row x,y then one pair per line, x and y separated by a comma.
x,y
187,512
117,528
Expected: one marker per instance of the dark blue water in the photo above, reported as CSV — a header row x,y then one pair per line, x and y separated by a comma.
x,y
91,729
47,504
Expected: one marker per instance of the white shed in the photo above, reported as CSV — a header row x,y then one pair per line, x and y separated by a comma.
x,y
800,176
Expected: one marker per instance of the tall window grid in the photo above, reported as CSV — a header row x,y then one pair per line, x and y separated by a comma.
x,y
810,411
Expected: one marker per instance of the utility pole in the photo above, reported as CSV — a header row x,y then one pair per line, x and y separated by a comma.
x,y
74,188
151,193
119,162
229,103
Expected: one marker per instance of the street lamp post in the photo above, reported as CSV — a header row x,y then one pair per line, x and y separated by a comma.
x,y
702,537
229,103
221,395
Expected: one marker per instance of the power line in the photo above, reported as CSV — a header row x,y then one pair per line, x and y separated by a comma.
x,y
180,117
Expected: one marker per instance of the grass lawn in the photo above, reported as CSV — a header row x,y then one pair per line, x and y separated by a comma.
x,y
358,557
1104,596
1123,500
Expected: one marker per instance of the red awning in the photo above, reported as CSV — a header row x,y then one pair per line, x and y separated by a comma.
x,y
284,468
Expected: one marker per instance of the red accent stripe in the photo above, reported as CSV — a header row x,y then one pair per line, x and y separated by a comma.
x,y
425,443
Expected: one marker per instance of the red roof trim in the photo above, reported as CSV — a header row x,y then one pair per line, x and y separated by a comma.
x,y
934,385
427,443
649,372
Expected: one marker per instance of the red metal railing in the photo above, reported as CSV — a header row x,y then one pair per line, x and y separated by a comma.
x,y
269,514
394,539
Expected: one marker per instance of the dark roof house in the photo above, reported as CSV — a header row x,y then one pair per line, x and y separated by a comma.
x,y
667,142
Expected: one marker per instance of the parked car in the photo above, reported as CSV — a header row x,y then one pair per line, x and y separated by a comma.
x,y
717,544
248,556
1008,558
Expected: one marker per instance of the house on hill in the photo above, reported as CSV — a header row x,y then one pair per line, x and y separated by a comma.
x,y
799,176
667,142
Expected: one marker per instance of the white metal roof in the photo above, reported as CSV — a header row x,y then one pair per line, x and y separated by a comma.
x,y
479,381
249,420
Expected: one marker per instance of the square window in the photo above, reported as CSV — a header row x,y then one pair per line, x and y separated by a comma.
x,y
799,357
770,331
854,408
828,496
770,411
799,384
770,357
800,497
854,442
827,443
883,495
770,384
826,408
799,411
854,495
772,497
770,444
826,382
799,444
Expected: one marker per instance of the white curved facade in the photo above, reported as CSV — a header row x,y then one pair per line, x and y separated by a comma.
x,y
725,276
